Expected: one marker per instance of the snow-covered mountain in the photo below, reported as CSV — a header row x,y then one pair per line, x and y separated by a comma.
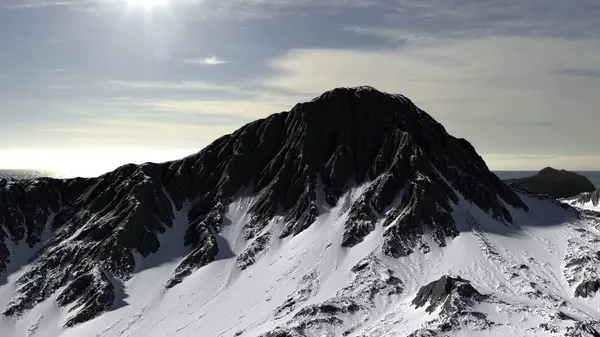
x,y
355,214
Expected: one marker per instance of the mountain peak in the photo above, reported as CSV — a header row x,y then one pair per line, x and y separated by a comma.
x,y
550,170
295,166
363,91
355,90
350,102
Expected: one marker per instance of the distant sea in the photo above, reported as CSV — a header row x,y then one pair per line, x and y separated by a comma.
x,y
28,174
593,176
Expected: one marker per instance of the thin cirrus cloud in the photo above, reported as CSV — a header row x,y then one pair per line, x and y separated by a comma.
x,y
484,87
208,61
168,85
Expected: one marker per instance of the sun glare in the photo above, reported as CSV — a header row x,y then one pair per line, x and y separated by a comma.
x,y
84,162
146,4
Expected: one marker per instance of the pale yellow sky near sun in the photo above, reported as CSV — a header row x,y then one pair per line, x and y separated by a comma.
x,y
89,162
85,162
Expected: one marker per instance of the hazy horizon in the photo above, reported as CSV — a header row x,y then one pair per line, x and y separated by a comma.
x,y
88,85
35,172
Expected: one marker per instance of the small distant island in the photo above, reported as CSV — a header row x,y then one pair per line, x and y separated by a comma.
x,y
555,183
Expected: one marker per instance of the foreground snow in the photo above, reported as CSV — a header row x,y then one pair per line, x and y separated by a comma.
x,y
308,284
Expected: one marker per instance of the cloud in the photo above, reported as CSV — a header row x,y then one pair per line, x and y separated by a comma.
x,y
244,110
210,9
397,35
579,72
73,4
128,131
170,85
513,77
533,162
240,104
500,92
131,121
58,87
209,61
60,70
491,17
482,62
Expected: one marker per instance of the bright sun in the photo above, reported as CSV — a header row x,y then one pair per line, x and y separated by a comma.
x,y
147,4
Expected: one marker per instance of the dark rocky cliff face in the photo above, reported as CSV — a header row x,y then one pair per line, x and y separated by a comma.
x,y
293,162
555,183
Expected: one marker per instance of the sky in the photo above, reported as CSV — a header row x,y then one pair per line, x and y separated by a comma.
x,y
88,85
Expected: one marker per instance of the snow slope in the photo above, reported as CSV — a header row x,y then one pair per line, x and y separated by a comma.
x,y
526,268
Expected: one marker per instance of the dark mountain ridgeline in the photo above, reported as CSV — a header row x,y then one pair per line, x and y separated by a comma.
x,y
291,161
555,183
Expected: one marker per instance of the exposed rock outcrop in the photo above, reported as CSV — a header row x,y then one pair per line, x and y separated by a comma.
x,y
586,200
587,288
448,293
